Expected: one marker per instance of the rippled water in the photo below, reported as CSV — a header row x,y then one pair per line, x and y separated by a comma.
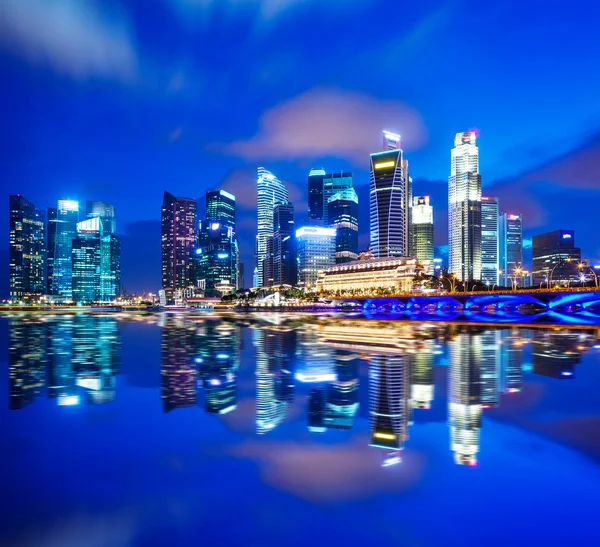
x,y
279,429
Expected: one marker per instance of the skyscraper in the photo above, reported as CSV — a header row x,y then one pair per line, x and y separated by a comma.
x,y
52,223
178,242
332,184
285,265
510,245
555,258
388,201
220,207
315,196
316,252
105,212
342,213
271,191
27,249
489,240
86,261
422,232
464,209
67,217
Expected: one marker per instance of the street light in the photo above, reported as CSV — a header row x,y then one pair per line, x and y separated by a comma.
x,y
581,267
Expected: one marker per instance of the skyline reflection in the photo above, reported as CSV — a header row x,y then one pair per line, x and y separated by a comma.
x,y
336,372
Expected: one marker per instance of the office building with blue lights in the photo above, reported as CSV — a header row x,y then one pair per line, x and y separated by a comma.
x,y
342,213
65,231
316,252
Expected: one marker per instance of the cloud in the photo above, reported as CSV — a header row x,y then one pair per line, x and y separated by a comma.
x,y
72,36
326,122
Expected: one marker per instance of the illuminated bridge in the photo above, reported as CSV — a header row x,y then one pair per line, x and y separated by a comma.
x,y
568,306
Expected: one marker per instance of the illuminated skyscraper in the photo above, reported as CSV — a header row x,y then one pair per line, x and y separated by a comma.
x,y
512,360
315,196
464,209
342,211
271,191
105,212
333,184
67,217
510,243
52,223
389,201
489,240
178,242
464,399
220,208
491,362
27,249
285,265
422,232
422,379
389,401
316,252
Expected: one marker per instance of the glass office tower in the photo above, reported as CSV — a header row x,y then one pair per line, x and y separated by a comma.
x,y
67,217
105,212
510,243
422,232
27,249
285,266
315,196
220,207
342,212
489,240
332,184
464,209
316,252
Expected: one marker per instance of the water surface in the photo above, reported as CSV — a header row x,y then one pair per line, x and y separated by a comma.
x,y
272,429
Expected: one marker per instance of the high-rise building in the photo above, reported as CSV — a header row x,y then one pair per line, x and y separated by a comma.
x,y
178,242
342,212
510,245
105,212
464,209
285,265
271,191
67,217
489,240
315,196
334,183
555,258
216,259
422,232
27,249
86,261
389,195
52,223
389,401
464,399
491,364
316,252
422,378
220,207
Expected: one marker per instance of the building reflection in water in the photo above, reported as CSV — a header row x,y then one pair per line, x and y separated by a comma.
x,y
74,359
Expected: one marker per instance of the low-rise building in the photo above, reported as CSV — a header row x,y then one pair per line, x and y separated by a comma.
x,y
390,274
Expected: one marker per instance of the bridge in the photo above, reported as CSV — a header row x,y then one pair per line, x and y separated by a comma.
x,y
576,306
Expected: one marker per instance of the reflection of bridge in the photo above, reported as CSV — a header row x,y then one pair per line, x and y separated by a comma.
x,y
576,306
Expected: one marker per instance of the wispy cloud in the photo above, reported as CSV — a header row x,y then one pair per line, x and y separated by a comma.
x,y
74,37
324,122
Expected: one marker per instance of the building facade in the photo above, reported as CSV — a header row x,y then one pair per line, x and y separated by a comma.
x,y
315,196
220,208
178,242
510,245
464,209
271,191
334,183
285,264
367,277
342,212
105,212
422,247
27,255
316,252
489,240
67,217
555,258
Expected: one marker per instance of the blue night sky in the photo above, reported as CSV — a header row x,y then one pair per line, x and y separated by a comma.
x,y
119,100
